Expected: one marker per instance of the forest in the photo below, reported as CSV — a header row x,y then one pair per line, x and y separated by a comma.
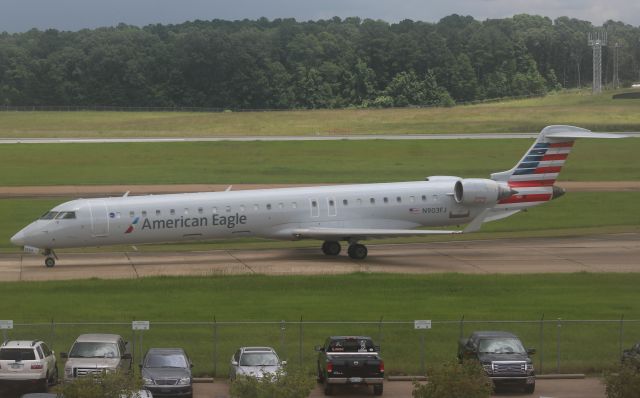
x,y
289,64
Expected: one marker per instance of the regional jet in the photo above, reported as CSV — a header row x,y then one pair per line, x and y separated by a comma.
x,y
333,214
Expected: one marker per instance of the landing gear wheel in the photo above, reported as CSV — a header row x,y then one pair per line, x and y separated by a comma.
x,y
50,262
377,389
358,251
331,248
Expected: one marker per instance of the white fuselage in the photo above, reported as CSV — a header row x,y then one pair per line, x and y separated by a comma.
x,y
269,213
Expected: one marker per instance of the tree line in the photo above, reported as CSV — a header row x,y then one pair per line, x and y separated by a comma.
x,y
286,64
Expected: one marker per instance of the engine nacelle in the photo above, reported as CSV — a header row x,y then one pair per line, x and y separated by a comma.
x,y
480,191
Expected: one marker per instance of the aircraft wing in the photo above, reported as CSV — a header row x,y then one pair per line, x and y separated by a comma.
x,y
363,233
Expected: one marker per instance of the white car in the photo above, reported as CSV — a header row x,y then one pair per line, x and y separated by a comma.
x,y
255,362
28,362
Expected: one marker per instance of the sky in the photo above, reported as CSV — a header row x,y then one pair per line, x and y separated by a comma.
x,y
22,15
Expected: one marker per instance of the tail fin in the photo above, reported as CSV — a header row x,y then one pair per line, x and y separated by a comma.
x,y
533,177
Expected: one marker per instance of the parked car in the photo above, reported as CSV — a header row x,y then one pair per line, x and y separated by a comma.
x,y
28,362
255,362
502,356
96,353
631,356
350,360
167,372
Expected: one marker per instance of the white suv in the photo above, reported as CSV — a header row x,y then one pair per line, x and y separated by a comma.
x,y
28,361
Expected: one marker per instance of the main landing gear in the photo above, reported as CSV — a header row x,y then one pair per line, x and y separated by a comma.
x,y
356,251
50,261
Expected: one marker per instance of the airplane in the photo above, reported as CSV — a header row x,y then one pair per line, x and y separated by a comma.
x,y
333,214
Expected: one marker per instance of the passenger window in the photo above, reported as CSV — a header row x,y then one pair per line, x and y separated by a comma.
x,y
40,352
200,210
424,198
158,212
172,212
132,214
399,199
345,202
228,209
331,203
46,350
372,201
314,203
268,206
144,213
386,200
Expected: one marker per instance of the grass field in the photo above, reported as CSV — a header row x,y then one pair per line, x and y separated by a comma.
x,y
297,162
600,113
356,297
575,213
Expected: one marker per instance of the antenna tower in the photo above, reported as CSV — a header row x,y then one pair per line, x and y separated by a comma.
x,y
597,40
616,65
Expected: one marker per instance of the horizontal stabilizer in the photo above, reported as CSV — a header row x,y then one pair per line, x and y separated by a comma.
x,y
570,134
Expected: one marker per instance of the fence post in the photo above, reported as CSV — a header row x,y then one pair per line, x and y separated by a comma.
x,y
559,326
283,327
300,353
53,334
380,334
621,333
541,345
215,347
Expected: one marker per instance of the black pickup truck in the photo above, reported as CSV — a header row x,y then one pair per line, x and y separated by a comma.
x,y
350,360
502,356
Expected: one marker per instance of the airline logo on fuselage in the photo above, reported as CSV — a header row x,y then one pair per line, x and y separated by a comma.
x,y
216,220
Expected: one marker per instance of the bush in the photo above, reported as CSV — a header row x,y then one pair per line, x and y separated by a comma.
x,y
279,385
623,382
107,385
454,380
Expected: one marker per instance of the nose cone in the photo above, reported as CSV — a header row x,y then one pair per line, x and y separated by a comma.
x,y
18,239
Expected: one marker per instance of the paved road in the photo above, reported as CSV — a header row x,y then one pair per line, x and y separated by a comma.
x,y
478,136
601,253
586,388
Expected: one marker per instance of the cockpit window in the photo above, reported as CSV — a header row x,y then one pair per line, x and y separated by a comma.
x,y
66,215
50,215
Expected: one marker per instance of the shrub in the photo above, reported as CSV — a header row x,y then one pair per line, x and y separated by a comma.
x,y
281,385
623,382
107,385
454,380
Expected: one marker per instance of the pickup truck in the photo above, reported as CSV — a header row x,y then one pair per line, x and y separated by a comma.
x,y
350,360
502,356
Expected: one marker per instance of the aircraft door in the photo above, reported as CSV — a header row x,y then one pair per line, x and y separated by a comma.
x,y
99,219
331,207
315,207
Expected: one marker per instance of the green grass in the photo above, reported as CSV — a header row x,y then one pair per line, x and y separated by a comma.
x,y
296,162
530,115
356,297
576,213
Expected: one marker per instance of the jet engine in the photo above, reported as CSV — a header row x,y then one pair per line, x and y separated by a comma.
x,y
480,191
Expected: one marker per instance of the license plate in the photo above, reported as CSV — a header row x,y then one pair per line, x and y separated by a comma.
x,y
16,366
355,379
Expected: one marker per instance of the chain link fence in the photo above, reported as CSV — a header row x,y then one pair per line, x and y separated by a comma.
x,y
563,346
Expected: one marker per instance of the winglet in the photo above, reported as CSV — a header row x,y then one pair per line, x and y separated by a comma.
x,y
476,223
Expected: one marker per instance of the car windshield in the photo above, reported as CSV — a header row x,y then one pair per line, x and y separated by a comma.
x,y
93,350
351,345
258,359
501,346
165,361
17,354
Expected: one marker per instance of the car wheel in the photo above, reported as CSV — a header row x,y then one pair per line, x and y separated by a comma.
x,y
377,389
328,388
320,376
530,388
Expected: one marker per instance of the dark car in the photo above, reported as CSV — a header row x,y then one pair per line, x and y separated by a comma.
x,y
166,372
350,360
631,356
502,356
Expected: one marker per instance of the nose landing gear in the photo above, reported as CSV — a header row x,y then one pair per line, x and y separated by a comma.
x,y
50,261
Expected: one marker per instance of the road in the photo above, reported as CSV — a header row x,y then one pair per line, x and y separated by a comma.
x,y
599,253
584,388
